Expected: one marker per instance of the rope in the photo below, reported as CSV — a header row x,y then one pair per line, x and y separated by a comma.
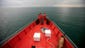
x,y
53,46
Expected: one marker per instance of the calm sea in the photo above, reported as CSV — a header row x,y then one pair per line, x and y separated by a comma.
x,y
70,20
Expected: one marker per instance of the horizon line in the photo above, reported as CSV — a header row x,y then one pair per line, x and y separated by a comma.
x,y
48,6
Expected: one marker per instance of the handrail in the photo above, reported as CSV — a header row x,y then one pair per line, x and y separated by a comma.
x,y
65,34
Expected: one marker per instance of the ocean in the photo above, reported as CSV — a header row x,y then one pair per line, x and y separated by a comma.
x,y
70,19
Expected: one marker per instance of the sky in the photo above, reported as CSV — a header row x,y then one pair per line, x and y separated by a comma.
x,y
41,3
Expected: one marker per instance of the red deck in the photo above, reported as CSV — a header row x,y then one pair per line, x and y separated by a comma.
x,y
24,39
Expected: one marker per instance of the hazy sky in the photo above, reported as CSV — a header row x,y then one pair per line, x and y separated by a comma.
x,y
40,3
